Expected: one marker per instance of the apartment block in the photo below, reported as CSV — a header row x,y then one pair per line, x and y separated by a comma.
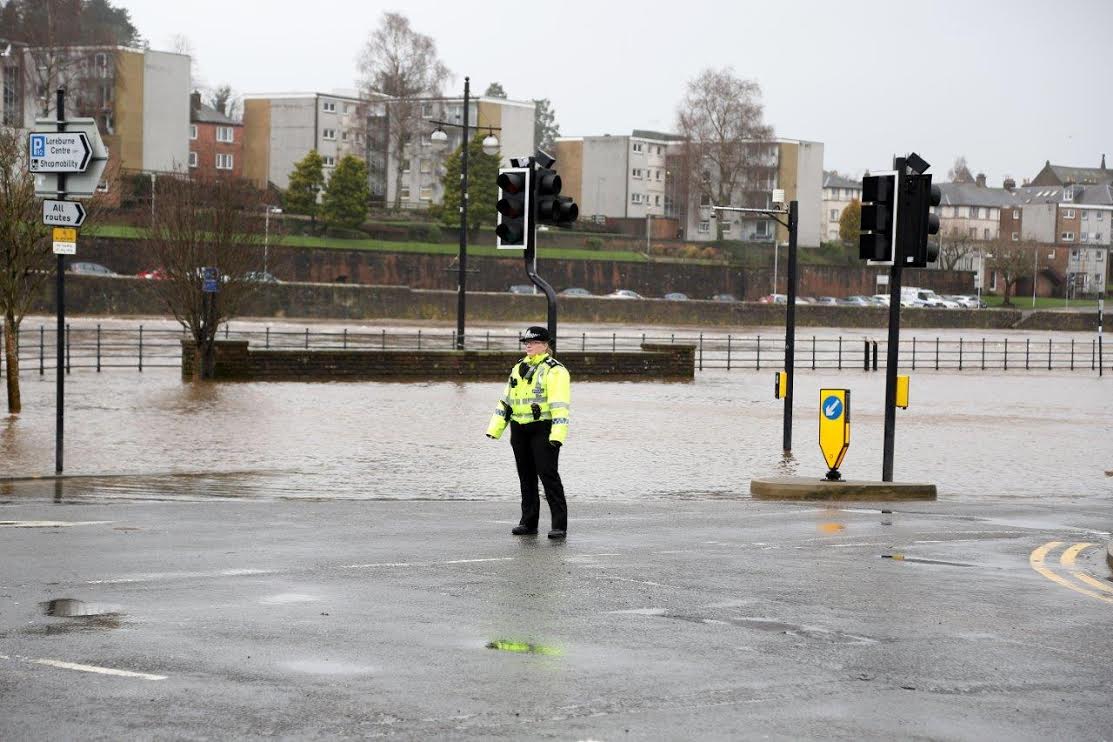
x,y
838,192
421,184
139,98
616,177
282,128
215,142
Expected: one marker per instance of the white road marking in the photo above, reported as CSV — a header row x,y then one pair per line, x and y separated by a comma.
x,y
51,523
99,670
374,565
151,577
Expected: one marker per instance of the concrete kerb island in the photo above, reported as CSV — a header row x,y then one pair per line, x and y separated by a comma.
x,y
236,361
817,488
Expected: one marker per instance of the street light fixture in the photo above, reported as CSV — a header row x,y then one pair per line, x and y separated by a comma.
x,y
268,210
439,140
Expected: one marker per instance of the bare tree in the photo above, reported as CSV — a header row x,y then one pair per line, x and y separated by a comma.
x,y
27,261
959,172
205,223
955,245
225,100
722,121
401,63
1012,261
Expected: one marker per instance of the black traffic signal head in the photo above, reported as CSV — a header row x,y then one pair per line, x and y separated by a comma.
x,y
921,223
879,217
552,208
514,208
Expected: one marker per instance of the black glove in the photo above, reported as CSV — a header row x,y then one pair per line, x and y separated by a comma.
x,y
554,444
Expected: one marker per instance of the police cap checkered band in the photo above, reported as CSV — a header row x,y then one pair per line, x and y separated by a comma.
x,y
535,333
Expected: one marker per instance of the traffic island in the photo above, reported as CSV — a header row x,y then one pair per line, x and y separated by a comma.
x,y
815,488
1109,554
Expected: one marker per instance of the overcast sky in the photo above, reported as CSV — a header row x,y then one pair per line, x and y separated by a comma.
x,y
1008,84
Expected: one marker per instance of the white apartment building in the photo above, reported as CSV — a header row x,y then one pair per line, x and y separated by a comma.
x,y
838,192
615,177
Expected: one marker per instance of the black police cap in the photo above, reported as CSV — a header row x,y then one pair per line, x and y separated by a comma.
x,y
535,333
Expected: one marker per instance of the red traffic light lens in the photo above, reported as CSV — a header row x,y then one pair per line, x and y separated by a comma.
x,y
512,182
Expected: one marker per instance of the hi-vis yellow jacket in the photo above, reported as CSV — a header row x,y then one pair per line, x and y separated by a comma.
x,y
539,389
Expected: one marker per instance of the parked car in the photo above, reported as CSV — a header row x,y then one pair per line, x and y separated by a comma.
x,y
676,296
881,300
576,292
260,277
966,302
856,301
153,274
624,294
91,269
724,298
804,300
523,288
830,300
774,299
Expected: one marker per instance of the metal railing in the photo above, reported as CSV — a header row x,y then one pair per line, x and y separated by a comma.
x,y
99,348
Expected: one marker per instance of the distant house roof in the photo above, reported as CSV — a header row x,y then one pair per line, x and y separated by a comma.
x,y
658,135
1088,195
972,194
832,179
208,115
1064,174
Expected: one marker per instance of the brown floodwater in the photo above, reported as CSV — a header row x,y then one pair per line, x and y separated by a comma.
x,y
978,435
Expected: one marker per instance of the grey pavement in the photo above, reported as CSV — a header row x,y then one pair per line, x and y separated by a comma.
x,y
691,618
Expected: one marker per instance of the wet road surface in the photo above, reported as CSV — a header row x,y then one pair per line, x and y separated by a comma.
x,y
683,619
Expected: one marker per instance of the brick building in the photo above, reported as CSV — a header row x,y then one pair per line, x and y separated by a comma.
x,y
215,142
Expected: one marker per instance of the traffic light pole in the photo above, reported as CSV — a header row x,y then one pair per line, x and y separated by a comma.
x,y
793,214
539,282
892,351
461,290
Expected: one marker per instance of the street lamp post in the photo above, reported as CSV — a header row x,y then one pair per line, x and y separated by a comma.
x,y
439,139
268,210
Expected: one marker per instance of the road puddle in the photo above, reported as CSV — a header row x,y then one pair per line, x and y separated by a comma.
x,y
82,617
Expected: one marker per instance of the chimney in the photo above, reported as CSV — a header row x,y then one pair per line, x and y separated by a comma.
x,y
981,180
1009,184
194,102
1103,161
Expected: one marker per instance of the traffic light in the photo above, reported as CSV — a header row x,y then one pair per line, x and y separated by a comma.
x,y
514,208
920,196
879,218
553,208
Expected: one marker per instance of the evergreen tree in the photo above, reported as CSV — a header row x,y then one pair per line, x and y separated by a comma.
x,y
347,194
306,182
850,223
483,171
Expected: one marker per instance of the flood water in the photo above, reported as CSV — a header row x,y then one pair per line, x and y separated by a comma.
x,y
978,435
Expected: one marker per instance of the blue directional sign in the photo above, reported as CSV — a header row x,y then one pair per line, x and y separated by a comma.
x,y
210,280
832,407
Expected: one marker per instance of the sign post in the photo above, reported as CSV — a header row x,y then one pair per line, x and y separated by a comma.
x,y
67,158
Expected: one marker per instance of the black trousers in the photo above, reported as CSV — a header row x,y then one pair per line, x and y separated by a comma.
x,y
536,458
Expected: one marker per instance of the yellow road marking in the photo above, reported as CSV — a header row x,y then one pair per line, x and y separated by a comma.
x,y
1091,581
1035,560
1067,560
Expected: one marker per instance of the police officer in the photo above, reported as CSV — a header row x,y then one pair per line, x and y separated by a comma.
x,y
535,404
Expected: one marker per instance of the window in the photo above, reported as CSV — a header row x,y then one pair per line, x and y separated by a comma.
x,y
1068,213
223,162
635,198
328,106
762,229
330,161
426,193
1098,215
636,172
1085,215
406,167
728,227
637,146
105,96
193,131
1016,213
329,135
406,192
1067,236
1084,237
658,175
100,61
426,167
973,233
1074,253
1101,256
224,134
1016,236
193,159
986,233
993,281
347,108
343,136
704,227
427,110
657,200
834,215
